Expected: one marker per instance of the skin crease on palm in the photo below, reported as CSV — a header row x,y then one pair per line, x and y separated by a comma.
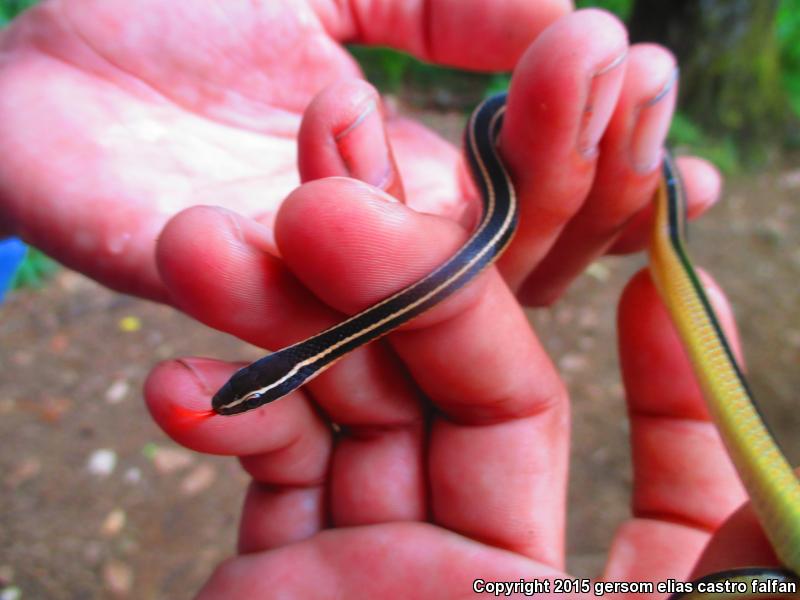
x,y
115,116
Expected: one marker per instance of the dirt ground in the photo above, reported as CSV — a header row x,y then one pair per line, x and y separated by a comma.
x,y
97,502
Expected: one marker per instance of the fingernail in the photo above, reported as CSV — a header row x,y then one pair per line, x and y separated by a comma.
x,y
364,148
195,368
603,88
652,124
247,232
233,221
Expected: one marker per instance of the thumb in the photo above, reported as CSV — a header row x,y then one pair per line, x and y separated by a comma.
x,y
343,134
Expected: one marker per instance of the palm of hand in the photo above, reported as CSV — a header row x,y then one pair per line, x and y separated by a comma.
x,y
117,127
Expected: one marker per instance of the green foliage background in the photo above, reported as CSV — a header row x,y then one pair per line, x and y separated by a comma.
x,y
11,8
788,30
394,71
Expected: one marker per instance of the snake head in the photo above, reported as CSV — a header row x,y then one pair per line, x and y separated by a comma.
x,y
229,401
263,381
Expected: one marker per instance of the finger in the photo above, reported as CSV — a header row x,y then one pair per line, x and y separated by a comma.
x,y
504,402
343,134
434,31
701,182
669,417
398,560
246,291
239,278
274,515
739,542
346,132
684,483
177,392
562,95
654,550
628,169
660,550
285,447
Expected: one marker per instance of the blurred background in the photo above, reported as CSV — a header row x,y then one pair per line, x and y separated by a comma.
x,y
97,502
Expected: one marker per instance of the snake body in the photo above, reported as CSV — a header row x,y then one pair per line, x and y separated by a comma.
x,y
770,482
281,372
769,479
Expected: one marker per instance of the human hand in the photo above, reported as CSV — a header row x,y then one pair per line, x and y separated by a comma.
x,y
116,116
449,459
350,245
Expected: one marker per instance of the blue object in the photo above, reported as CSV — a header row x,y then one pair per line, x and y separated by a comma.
x,y
12,252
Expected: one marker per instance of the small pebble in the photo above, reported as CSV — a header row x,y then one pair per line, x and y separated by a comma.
x,y
118,577
130,324
198,480
573,362
117,391
73,281
113,523
598,271
52,409
28,468
168,460
790,180
149,450
133,475
11,593
102,462
58,343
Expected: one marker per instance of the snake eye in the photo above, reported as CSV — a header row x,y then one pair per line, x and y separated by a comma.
x,y
252,400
